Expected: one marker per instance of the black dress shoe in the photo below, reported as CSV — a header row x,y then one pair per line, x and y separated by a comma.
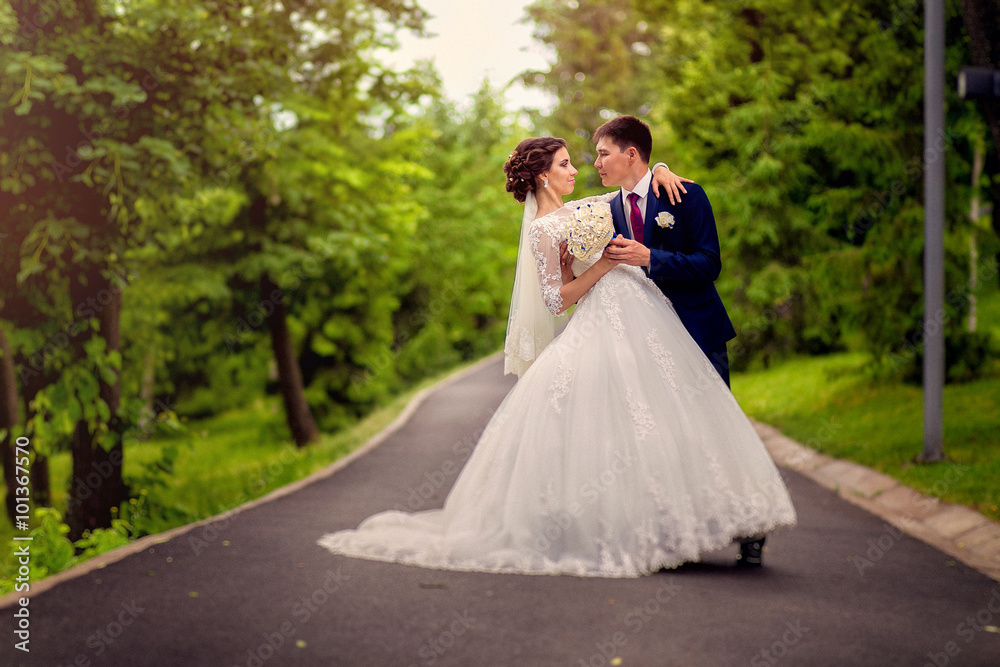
x,y
751,554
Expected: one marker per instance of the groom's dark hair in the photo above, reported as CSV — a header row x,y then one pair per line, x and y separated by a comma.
x,y
625,131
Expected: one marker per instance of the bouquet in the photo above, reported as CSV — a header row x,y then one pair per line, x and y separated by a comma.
x,y
590,230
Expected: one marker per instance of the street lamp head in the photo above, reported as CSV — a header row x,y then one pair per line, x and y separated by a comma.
x,y
979,83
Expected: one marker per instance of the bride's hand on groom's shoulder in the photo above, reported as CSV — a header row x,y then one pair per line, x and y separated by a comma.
x,y
671,183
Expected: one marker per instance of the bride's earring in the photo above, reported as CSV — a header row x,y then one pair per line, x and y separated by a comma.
x,y
545,184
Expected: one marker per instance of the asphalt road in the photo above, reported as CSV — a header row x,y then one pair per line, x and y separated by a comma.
x,y
254,589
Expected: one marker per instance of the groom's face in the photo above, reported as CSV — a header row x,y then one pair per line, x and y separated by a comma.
x,y
612,163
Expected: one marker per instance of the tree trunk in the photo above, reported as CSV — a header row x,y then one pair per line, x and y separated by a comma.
x,y
34,380
97,487
980,18
41,484
978,160
300,419
147,392
8,419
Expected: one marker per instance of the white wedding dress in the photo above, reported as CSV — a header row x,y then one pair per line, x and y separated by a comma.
x,y
620,451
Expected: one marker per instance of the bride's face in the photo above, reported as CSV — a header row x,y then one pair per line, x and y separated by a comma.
x,y
562,174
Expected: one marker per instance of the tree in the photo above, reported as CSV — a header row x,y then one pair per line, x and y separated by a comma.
x,y
457,288
69,221
302,173
114,112
983,28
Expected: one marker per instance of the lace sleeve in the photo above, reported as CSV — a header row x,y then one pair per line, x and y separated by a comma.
x,y
546,235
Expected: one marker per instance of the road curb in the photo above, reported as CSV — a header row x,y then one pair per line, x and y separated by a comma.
x,y
957,530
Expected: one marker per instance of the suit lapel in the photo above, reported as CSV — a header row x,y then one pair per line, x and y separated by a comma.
x,y
618,217
652,208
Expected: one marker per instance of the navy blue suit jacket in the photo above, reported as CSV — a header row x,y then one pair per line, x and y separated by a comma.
x,y
685,261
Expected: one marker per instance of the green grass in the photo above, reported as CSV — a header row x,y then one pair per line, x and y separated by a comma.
x,y
223,462
831,405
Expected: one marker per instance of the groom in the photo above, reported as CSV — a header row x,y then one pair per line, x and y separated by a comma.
x,y
677,245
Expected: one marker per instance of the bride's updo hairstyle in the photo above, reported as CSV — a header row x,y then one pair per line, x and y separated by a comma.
x,y
531,158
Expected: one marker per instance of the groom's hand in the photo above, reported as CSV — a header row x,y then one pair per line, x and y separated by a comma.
x,y
627,251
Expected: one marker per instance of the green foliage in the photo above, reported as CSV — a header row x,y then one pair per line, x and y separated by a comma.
x,y
122,531
201,151
805,124
458,290
74,397
604,67
51,550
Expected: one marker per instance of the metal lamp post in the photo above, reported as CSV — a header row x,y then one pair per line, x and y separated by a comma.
x,y
934,174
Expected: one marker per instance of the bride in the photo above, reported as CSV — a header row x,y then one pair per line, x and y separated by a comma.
x,y
620,450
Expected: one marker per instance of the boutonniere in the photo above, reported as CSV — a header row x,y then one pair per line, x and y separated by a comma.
x,y
665,220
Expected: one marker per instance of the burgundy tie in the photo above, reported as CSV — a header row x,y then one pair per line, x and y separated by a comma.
x,y
636,216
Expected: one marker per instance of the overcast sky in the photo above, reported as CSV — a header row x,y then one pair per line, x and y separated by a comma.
x,y
476,39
